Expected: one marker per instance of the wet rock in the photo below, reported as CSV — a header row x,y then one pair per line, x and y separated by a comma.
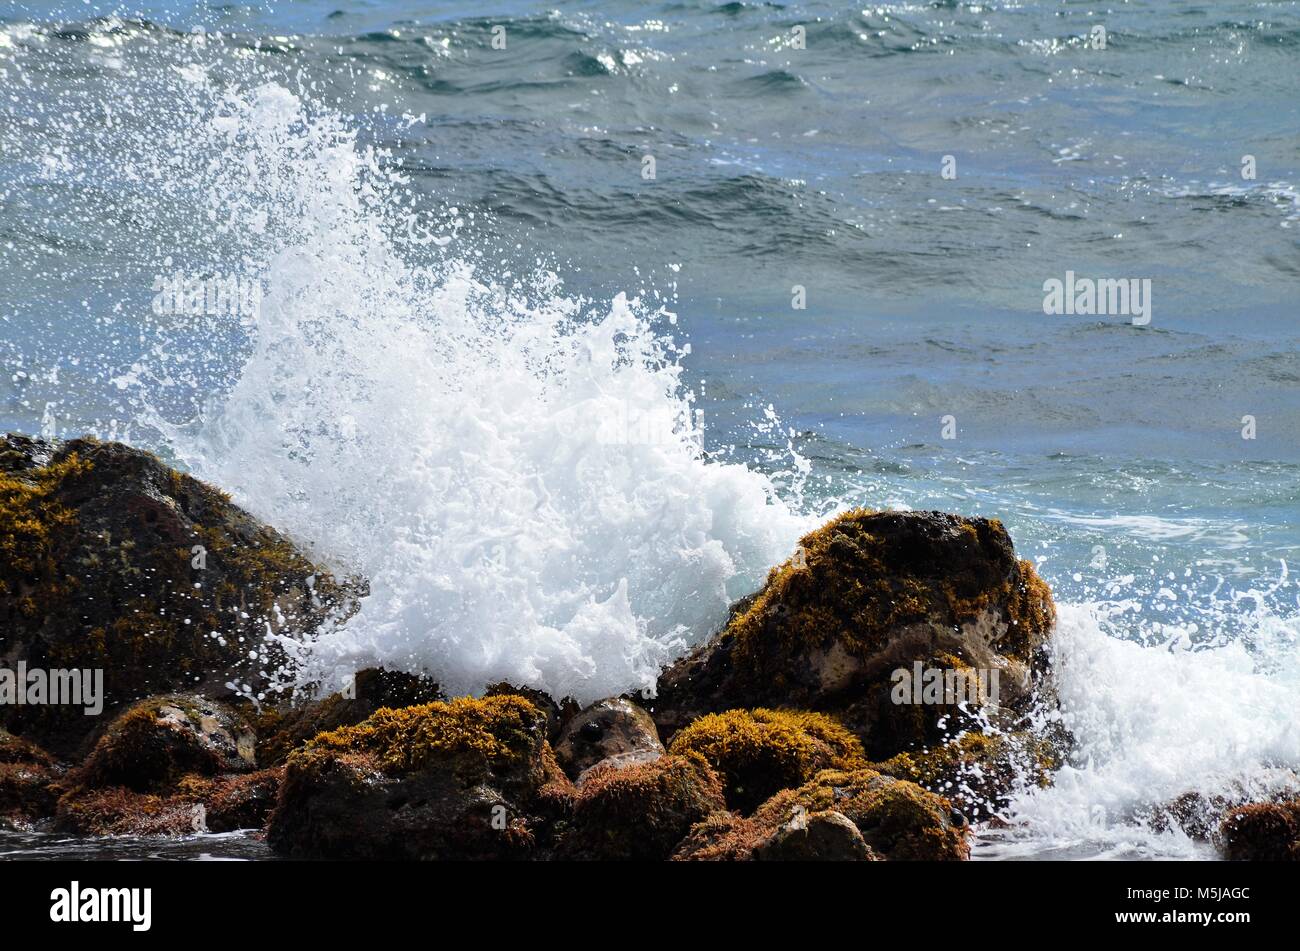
x,y
465,779
157,741
27,778
614,731
557,714
195,804
112,561
1262,832
640,812
826,836
978,772
867,595
283,729
897,820
757,753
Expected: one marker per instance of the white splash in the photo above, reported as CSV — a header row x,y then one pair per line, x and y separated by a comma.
x,y
519,476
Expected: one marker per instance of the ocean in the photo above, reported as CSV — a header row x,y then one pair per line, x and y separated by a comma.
x,y
561,324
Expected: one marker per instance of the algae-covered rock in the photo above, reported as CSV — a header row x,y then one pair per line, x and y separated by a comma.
x,y
1262,832
640,812
869,595
464,779
112,561
897,820
614,731
157,741
978,772
826,836
28,776
757,753
194,804
283,729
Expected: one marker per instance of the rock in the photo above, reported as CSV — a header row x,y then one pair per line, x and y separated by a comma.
x,y
978,772
284,729
869,594
826,836
197,804
557,714
232,802
898,820
464,779
757,753
27,778
111,561
1262,832
640,812
157,741
616,731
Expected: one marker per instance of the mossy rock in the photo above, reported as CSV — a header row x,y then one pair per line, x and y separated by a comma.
x,y
194,804
155,742
111,560
978,772
289,726
757,753
898,820
868,594
640,812
463,779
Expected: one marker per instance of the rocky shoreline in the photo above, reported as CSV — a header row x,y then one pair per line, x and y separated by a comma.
x,y
886,689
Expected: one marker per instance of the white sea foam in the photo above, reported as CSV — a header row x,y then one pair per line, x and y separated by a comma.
x,y
519,476
1155,722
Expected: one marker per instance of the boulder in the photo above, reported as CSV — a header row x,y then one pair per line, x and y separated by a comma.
x,y
112,561
157,741
897,820
463,779
640,812
1262,832
613,732
866,596
826,836
757,753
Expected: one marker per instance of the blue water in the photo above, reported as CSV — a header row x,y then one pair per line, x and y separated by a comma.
x,y
1114,452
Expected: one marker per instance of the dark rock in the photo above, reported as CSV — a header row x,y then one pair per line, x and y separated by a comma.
x,y
826,836
866,595
614,729
112,561
557,714
465,779
1262,832
157,741
27,782
640,812
897,820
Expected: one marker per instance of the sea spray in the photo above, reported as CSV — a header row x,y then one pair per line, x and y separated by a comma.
x,y
472,449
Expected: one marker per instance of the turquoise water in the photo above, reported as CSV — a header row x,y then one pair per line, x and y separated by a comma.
x,y
1114,452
